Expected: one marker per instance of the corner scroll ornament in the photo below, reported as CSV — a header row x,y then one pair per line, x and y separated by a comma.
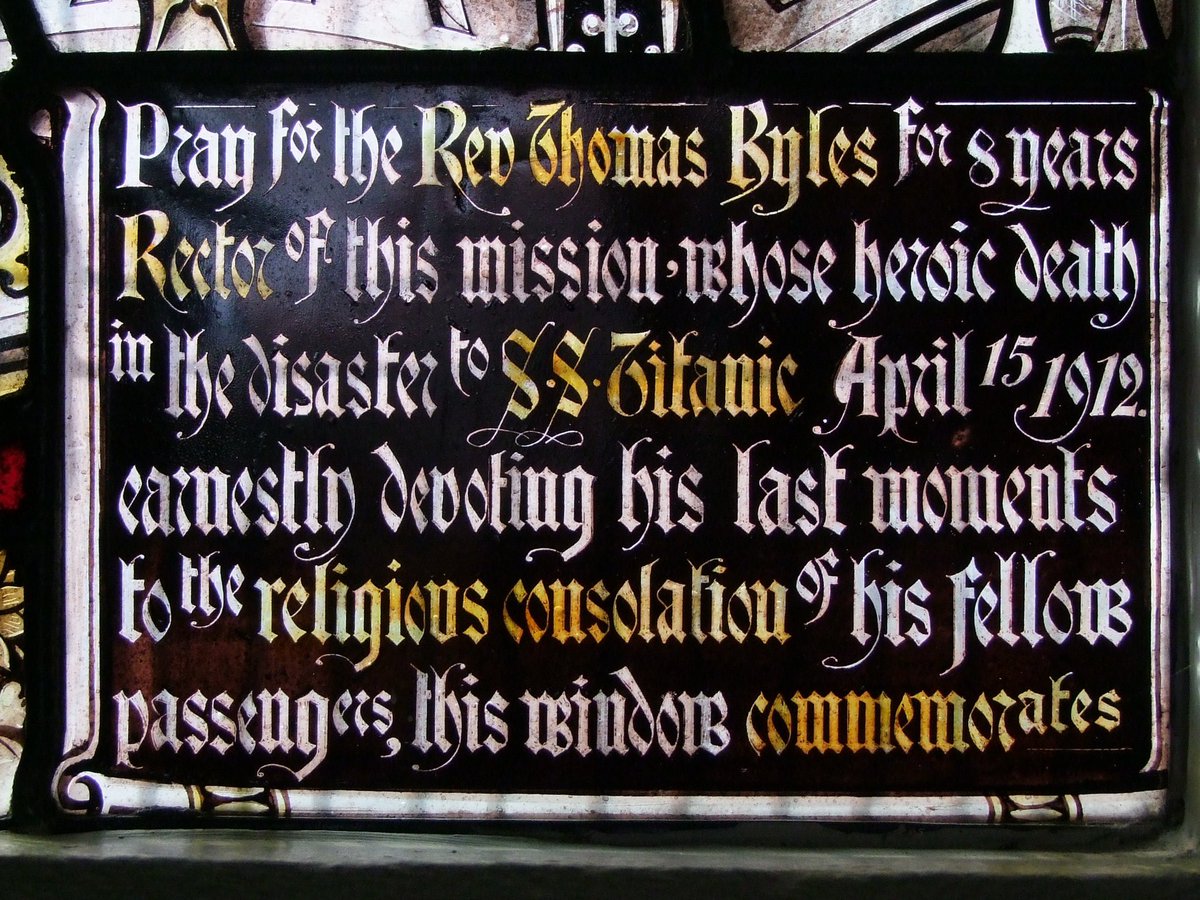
x,y
95,793
612,26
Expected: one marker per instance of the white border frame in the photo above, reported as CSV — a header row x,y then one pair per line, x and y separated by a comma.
x,y
81,791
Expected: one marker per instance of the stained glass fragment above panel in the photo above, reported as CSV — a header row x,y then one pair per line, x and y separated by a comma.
x,y
416,24
599,26
127,25
613,26
1013,26
98,25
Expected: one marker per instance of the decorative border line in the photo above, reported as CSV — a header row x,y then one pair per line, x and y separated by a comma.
x,y
1160,423
125,796
81,452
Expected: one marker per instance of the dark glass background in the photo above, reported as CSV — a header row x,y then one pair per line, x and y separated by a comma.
x,y
706,71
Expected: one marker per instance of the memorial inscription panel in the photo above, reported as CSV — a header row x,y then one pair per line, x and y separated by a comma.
x,y
461,452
